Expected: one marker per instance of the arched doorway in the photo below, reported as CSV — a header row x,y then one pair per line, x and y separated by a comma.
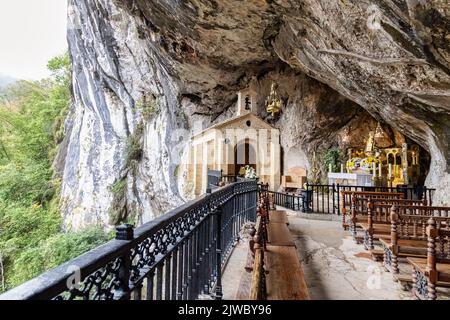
x,y
244,154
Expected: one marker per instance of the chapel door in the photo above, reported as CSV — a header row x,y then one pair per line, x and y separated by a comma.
x,y
245,154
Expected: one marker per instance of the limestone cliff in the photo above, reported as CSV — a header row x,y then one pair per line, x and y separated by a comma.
x,y
146,71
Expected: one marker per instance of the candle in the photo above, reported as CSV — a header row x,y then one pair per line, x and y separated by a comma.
x,y
342,168
390,170
379,169
374,169
330,168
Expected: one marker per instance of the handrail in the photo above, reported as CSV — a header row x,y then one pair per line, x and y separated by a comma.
x,y
258,282
196,234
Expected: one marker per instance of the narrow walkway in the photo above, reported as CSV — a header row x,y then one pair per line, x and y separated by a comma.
x,y
235,278
335,267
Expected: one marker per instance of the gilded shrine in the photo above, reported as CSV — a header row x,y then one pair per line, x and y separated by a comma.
x,y
381,167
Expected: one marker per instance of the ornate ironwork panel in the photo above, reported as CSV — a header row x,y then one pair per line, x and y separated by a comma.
x,y
179,255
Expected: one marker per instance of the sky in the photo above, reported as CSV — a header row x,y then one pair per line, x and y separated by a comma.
x,y
31,33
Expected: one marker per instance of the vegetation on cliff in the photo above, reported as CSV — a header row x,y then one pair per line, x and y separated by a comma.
x,y
31,126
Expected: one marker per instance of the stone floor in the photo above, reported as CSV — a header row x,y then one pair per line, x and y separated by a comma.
x,y
335,266
235,279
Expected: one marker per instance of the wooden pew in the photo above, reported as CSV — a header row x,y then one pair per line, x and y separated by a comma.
x,y
378,221
358,209
408,233
434,270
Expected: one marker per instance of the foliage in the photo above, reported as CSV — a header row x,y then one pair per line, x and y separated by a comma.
x,y
31,125
250,173
54,251
363,164
118,210
149,106
333,158
135,150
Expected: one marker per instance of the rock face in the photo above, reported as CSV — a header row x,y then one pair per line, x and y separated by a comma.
x,y
146,72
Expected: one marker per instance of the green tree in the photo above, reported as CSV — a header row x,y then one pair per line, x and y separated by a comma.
x,y
31,126
333,158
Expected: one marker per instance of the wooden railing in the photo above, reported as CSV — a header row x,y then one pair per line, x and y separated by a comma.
x,y
257,290
177,256
258,244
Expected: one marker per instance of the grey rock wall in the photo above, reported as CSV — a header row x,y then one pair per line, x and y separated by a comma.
x,y
339,64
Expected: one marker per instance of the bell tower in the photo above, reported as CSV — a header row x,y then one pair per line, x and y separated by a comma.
x,y
246,102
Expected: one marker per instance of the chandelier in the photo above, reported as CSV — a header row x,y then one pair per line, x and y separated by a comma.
x,y
273,102
379,133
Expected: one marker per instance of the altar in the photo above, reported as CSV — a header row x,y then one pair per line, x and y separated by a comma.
x,y
350,179
374,166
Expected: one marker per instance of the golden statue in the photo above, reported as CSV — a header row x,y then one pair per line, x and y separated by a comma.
x,y
273,102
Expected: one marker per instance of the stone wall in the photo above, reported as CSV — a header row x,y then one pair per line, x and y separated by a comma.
x,y
165,65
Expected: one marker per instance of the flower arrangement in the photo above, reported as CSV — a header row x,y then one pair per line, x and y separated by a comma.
x,y
368,162
364,164
250,173
353,164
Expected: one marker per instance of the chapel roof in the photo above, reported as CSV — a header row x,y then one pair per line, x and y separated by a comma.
x,y
228,122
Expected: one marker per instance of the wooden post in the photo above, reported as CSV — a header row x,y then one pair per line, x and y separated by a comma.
x,y
424,200
432,278
394,241
353,219
343,209
257,291
370,223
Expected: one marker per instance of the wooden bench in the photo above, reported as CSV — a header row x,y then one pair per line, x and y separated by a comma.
x,y
278,216
278,234
277,272
285,279
434,270
378,223
358,206
408,233
407,281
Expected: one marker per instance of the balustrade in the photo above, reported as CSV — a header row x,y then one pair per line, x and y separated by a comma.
x,y
177,256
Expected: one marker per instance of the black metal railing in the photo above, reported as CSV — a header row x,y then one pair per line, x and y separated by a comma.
x,y
287,200
228,178
325,198
179,255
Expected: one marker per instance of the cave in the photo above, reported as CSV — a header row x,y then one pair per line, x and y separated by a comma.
x,y
352,179
335,68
